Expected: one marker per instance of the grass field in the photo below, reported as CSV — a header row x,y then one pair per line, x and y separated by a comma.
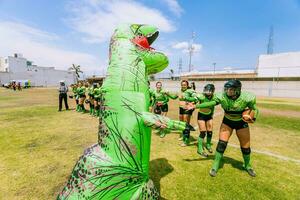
x,y
39,147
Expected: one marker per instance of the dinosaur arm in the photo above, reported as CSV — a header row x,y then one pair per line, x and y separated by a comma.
x,y
158,121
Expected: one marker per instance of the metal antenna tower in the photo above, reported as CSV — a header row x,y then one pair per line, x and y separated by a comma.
x,y
179,65
191,50
270,43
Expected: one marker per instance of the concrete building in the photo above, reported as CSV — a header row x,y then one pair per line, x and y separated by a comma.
x,y
219,75
17,67
279,65
276,75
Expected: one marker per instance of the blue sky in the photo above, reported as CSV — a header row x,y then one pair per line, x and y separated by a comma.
x,y
230,33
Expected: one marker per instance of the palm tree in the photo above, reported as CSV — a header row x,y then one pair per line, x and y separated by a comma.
x,y
172,73
77,70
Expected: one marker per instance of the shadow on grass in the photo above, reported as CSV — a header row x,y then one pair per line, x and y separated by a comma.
x,y
159,168
210,157
233,162
70,109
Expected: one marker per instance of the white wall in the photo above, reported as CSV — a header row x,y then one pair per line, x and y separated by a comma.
x,y
3,65
279,65
42,77
17,64
39,76
4,78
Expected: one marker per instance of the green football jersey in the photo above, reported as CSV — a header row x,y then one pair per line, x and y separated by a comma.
x,y
233,108
160,96
203,99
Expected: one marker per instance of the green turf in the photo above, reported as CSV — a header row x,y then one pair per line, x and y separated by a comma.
x,y
280,122
7,98
273,100
281,107
183,174
39,147
28,113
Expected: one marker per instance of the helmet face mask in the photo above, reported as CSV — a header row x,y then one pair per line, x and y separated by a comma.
x,y
209,90
232,92
232,89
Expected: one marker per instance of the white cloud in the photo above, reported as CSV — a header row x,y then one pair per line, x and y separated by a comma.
x,y
181,45
97,19
184,46
39,46
174,6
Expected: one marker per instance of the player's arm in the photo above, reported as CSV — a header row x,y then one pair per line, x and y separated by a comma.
x,y
166,100
172,96
206,104
199,97
252,106
190,96
215,101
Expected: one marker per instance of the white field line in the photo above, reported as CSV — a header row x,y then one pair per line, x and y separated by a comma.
x,y
266,153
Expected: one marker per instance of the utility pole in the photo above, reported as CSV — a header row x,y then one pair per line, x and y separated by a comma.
x,y
214,64
271,41
191,50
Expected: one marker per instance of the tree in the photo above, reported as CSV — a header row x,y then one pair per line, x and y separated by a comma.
x,y
77,70
172,73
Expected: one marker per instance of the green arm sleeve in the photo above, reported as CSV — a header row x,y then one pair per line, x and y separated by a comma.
x,y
190,99
206,105
172,96
191,96
252,105
199,97
166,100
153,100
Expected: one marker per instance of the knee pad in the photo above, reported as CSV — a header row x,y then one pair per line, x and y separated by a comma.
x,y
209,133
246,151
221,146
202,134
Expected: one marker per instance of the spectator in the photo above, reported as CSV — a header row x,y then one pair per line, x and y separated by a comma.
x,y
63,90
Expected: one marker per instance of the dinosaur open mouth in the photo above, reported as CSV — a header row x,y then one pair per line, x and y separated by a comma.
x,y
145,41
152,37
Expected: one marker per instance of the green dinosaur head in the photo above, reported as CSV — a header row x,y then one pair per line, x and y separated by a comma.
x,y
145,35
127,31
142,36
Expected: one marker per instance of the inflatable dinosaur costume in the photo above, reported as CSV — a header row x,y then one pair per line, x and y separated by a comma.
x,y
117,167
